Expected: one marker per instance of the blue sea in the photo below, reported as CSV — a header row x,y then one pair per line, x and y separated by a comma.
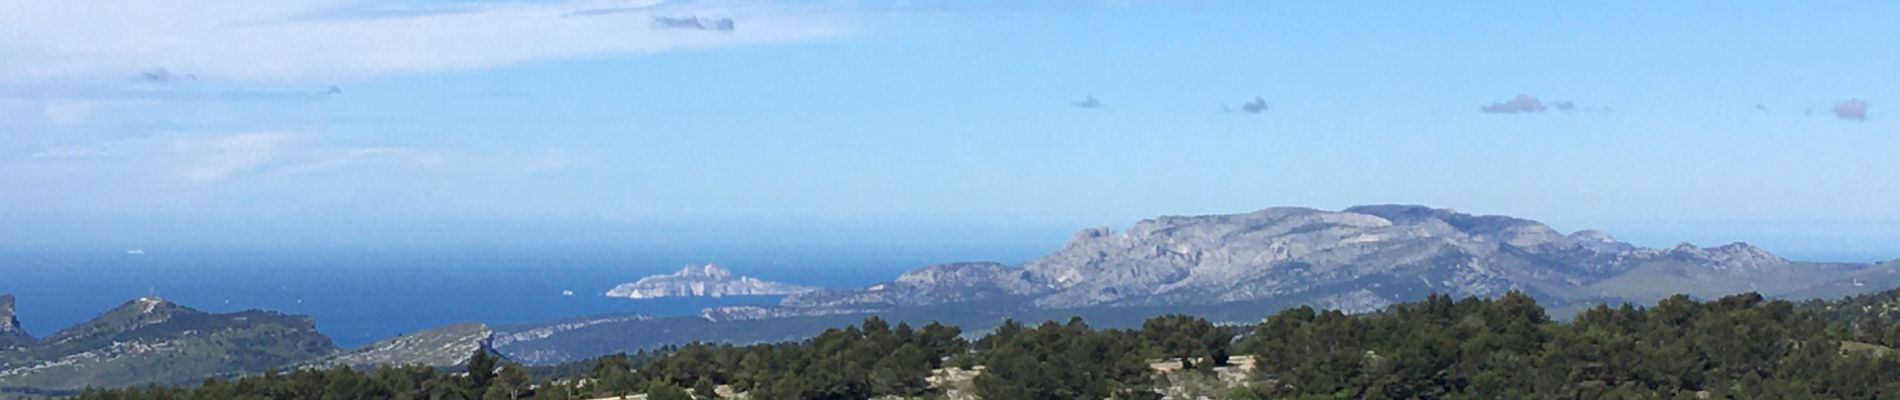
x,y
360,298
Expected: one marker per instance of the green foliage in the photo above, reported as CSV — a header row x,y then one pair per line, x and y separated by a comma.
x,y
1194,341
196,344
1062,361
1872,318
512,380
704,388
614,375
552,391
1741,346
873,359
481,367
1244,393
666,391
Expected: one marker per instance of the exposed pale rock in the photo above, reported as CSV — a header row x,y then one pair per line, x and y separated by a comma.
x,y
445,346
12,335
707,281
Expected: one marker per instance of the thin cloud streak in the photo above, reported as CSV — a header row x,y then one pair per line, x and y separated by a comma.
x,y
693,24
280,41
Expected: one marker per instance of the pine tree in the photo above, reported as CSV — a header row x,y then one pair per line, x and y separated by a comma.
x,y
481,368
704,388
658,390
513,379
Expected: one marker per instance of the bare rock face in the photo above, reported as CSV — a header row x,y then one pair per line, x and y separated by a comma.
x,y
1360,258
707,281
932,285
11,334
1732,255
446,346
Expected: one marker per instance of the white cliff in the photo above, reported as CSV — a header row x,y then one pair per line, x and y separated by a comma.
x,y
707,281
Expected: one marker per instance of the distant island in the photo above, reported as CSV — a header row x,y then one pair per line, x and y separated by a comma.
x,y
703,281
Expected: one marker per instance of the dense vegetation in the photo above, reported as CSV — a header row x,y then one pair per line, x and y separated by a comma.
x,y
1872,318
1741,346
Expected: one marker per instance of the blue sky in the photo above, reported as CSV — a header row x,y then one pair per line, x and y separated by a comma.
x,y
566,125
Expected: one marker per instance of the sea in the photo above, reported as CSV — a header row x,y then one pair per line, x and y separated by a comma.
x,y
358,298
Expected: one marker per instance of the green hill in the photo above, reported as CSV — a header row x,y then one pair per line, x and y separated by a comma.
x,y
151,340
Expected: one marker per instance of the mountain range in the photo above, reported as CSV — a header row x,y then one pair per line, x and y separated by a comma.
x,y
1239,267
1233,268
1358,259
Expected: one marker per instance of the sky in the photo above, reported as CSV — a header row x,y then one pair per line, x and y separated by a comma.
x,y
992,126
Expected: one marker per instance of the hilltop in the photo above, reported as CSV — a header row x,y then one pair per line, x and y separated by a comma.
x,y
152,340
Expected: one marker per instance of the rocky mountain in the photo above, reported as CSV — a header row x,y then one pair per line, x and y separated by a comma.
x,y
1237,268
707,281
11,334
151,340
445,346
1359,259
1234,268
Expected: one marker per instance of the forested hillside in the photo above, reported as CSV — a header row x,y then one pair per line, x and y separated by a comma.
x,y
1741,346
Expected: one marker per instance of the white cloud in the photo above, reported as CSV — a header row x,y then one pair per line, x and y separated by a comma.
x,y
315,40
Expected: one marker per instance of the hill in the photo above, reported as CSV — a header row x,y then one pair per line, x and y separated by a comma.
x,y
151,340
445,346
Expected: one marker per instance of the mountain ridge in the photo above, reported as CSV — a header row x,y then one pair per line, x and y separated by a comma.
x,y
1377,254
440,347
1237,267
152,340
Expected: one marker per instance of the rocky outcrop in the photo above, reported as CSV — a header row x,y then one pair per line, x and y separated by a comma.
x,y
1359,258
753,313
707,281
12,336
550,329
936,284
445,346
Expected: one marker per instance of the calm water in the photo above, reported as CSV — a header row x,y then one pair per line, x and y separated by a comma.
x,y
357,299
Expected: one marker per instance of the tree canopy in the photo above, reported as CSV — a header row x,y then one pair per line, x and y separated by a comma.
x,y
1741,346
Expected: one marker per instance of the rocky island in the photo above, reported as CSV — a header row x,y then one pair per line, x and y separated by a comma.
x,y
707,281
